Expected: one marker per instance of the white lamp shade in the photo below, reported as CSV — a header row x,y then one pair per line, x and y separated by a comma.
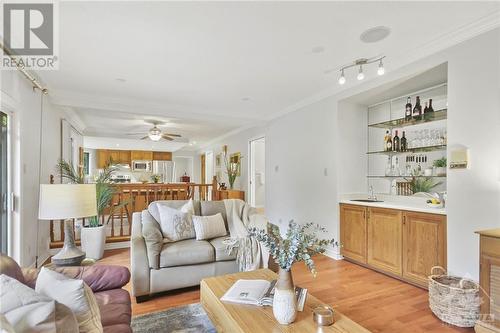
x,y
64,201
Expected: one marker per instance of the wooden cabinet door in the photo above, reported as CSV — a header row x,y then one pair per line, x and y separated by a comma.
x,y
147,155
136,155
162,156
124,156
385,243
353,232
114,156
102,158
424,245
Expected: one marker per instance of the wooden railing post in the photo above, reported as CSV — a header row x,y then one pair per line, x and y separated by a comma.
x,y
215,191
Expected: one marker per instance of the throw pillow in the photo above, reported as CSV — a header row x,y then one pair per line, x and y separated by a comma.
x,y
188,207
75,294
27,311
175,224
208,227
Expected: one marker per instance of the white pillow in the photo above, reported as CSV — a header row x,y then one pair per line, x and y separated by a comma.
x,y
24,310
208,227
154,207
188,207
75,294
175,224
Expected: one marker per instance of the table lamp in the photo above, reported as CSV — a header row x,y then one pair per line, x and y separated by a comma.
x,y
67,202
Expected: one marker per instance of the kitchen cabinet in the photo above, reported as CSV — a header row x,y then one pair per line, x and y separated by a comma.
x,y
162,156
424,245
231,194
141,155
384,239
400,243
105,156
102,158
353,232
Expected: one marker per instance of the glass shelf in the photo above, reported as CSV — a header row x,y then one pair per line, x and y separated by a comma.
x,y
402,122
410,150
397,177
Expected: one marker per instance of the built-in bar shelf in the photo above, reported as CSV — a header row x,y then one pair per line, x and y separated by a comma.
x,y
402,122
405,177
410,150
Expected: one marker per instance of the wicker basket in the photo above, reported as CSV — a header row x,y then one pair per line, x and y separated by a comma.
x,y
454,300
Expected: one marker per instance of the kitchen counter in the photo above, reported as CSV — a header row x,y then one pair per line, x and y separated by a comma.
x,y
414,204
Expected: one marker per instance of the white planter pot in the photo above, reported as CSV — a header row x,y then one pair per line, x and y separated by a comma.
x,y
93,240
284,302
441,171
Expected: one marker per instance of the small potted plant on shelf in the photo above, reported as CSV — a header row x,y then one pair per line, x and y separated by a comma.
x,y
440,166
93,235
300,243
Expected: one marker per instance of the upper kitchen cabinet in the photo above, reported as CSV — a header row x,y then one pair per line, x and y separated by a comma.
x,y
162,156
107,156
141,155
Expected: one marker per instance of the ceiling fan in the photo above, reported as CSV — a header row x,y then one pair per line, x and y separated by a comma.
x,y
155,133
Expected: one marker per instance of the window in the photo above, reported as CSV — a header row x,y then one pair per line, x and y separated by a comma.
x,y
4,183
86,163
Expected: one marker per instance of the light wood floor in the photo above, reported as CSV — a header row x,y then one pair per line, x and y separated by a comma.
x,y
377,302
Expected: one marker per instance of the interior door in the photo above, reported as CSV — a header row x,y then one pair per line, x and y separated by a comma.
x,y
4,183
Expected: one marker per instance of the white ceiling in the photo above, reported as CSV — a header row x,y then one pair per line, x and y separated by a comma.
x,y
194,63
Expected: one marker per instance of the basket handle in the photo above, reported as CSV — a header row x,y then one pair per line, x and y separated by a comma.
x,y
443,271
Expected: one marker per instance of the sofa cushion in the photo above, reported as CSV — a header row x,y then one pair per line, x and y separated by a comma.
x,y
9,266
221,254
176,204
176,224
208,208
115,307
208,227
186,252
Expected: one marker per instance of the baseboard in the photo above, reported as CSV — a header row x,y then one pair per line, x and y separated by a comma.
x,y
333,253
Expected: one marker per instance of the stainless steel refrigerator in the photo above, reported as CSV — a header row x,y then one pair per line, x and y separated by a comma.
x,y
165,169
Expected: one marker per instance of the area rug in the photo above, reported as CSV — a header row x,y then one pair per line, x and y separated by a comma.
x,y
184,319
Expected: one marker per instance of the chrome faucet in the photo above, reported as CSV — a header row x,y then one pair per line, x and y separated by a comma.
x,y
442,198
372,195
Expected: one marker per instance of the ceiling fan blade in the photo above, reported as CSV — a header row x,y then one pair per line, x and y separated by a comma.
x,y
144,138
174,135
166,137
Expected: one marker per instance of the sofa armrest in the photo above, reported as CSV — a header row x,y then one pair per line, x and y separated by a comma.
x,y
97,277
139,258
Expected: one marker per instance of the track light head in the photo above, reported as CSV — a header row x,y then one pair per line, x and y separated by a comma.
x,y
361,75
381,69
342,77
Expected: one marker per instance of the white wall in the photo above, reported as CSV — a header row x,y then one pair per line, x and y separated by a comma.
x,y
236,143
258,167
25,106
301,144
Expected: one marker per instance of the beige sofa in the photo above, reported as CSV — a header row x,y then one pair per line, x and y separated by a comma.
x,y
157,266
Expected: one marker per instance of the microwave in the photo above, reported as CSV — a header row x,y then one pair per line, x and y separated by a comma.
x,y
143,166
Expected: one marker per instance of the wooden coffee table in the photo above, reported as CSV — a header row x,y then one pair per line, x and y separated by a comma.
x,y
239,318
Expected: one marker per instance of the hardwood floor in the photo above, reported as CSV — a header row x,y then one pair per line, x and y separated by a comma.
x,y
377,302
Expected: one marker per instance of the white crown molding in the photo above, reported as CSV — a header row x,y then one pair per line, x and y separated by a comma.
x,y
440,43
218,139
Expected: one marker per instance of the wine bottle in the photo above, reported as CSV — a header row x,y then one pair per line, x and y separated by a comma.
x,y
408,109
388,142
430,109
404,143
426,108
417,110
395,142
386,136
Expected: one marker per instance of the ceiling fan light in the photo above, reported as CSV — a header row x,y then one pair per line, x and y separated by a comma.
x,y
155,134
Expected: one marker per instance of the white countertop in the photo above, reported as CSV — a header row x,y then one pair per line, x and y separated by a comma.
x,y
414,204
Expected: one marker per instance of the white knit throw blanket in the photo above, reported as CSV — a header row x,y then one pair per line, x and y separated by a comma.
x,y
250,255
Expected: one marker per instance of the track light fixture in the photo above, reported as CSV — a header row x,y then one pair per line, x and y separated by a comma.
x,y
361,62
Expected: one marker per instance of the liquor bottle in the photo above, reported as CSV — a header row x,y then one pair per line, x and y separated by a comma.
x,y
417,110
426,108
404,143
397,170
386,136
388,142
395,142
430,109
408,109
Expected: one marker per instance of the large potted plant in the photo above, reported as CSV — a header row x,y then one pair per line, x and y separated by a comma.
x,y
300,243
233,166
93,235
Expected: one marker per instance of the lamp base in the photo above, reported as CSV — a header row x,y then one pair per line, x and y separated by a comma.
x,y
69,255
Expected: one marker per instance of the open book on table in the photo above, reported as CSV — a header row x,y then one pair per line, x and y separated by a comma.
x,y
259,292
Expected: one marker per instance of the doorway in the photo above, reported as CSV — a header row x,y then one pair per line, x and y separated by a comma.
x,y
4,182
257,183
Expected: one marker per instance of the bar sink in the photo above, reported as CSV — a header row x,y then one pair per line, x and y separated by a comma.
x,y
366,200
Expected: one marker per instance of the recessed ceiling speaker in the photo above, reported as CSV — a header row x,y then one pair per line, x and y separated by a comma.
x,y
374,35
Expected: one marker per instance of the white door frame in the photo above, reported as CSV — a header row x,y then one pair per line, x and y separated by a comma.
x,y
251,173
